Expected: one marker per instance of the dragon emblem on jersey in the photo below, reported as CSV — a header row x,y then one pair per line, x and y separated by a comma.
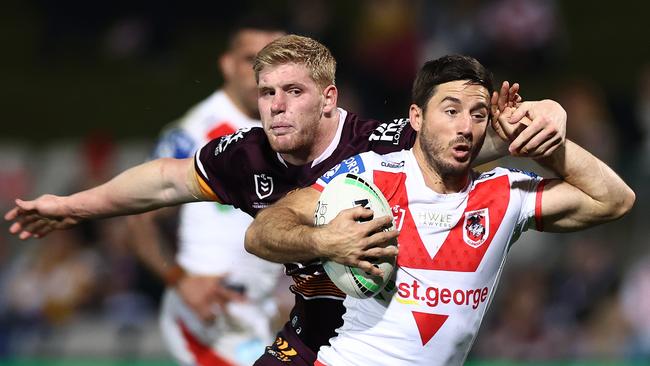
x,y
476,227
263,185
226,140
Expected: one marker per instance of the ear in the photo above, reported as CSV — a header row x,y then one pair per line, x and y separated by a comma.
x,y
330,95
227,66
416,115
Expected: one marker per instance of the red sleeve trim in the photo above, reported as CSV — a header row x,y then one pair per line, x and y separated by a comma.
x,y
538,206
318,187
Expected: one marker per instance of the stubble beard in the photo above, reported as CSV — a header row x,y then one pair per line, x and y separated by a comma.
x,y
433,153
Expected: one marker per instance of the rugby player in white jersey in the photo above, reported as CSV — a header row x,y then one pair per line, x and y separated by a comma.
x,y
455,225
199,322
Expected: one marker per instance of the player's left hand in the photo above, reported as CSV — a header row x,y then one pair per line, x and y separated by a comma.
x,y
39,217
534,129
545,131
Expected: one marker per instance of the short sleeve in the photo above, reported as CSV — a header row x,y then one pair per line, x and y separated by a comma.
x,y
214,166
528,186
353,164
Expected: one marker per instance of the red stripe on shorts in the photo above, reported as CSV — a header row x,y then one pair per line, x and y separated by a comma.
x,y
204,355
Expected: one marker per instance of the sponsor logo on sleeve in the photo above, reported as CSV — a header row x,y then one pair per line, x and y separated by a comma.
x,y
226,140
263,185
393,164
530,174
352,164
476,227
389,132
485,176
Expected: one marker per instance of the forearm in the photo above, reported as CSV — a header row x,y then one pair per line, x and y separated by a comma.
x,y
494,147
278,234
147,243
610,197
142,188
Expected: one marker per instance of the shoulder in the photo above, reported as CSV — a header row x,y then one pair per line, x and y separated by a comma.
x,y
380,136
366,164
249,139
513,177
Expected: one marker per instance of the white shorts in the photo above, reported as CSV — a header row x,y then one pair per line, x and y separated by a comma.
x,y
238,338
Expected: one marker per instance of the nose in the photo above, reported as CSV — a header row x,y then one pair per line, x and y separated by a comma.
x,y
278,105
464,125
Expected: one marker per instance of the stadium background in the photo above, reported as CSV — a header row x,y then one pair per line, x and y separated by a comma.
x,y
86,86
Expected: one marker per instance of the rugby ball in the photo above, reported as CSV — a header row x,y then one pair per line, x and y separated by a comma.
x,y
347,191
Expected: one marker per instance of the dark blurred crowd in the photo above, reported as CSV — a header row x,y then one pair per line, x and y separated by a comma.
x,y
574,296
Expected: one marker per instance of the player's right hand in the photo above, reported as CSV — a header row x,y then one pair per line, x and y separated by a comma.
x,y
206,295
352,239
39,217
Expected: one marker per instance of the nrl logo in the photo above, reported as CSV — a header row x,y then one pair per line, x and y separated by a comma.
x,y
476,227
263,185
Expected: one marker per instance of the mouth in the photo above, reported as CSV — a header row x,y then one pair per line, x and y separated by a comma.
x,y
280,128
461,152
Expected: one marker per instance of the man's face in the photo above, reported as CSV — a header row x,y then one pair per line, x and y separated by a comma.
x,y
237,66
291,105
452,130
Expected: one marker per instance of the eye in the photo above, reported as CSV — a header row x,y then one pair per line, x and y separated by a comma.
x,y
451,112
267,92
294,91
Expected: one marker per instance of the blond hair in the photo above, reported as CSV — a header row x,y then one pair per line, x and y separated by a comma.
x,y
299,50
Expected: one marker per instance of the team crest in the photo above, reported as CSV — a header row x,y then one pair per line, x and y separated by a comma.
x,y
476,227
263,185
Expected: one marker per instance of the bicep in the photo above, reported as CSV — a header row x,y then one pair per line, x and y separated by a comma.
x,y
565,207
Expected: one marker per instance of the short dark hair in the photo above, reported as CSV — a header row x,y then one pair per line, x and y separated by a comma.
x,y
253,21
446,69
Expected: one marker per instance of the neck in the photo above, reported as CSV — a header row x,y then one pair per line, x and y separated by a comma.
x,y
326,131
435,180
237,102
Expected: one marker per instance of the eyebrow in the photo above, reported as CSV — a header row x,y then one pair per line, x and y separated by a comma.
x,y
479,105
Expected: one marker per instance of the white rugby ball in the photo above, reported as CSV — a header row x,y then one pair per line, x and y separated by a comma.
x,y
347,191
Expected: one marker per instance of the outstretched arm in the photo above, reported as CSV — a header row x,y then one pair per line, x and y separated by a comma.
x,y
158,183
284,232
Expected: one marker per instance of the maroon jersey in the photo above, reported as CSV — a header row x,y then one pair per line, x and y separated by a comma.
x,y
242,170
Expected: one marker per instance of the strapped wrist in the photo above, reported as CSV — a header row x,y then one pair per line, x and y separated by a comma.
x,y
173,275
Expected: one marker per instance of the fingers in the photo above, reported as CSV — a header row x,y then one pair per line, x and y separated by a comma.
x,y
382,252
518,145
513,95
12,214
520,112
502,101
369,268
537,139
35,226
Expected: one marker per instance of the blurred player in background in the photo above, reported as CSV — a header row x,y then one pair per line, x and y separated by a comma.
x,y
212,312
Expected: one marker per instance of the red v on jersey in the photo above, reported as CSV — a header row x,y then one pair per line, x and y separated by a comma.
x,y
455,254
428,324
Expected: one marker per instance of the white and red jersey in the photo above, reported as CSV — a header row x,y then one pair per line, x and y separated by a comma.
x,y
210,235
452,248
211,242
